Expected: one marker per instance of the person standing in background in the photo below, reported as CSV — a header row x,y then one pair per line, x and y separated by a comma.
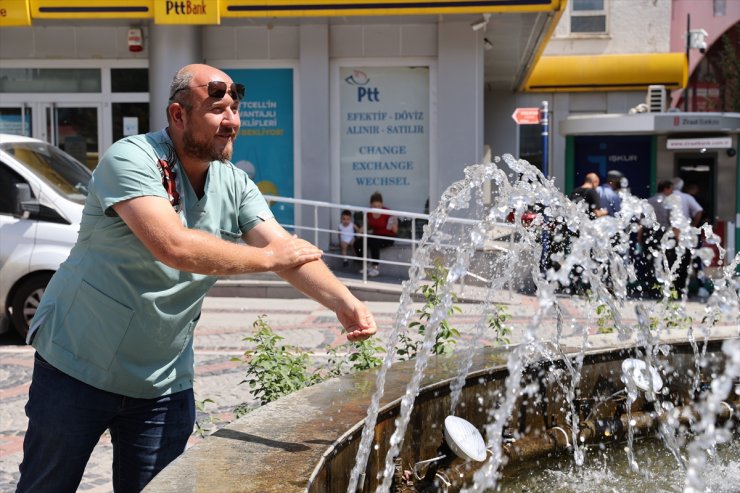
x,y
609,192
667,204
651,238
693,190
693,211
587,193
689,206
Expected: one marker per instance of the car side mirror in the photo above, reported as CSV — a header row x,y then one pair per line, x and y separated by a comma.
x,y
25,204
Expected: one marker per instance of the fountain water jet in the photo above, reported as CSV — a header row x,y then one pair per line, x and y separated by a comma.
x,y
600,249
559,388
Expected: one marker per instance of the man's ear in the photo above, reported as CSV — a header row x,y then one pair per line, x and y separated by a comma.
x,y
177,114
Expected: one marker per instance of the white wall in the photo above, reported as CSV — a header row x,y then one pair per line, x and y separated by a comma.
x,y
633,26
165,59
382,40
55,40
456,105
251,43
315,147
459,136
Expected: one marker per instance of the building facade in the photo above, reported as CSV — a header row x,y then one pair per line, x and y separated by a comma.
x,y
614,74
340,102
346,98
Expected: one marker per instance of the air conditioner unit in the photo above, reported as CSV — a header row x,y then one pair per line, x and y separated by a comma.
x,y
656,99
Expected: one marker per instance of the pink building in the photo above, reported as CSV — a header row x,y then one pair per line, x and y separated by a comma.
x,y
707,68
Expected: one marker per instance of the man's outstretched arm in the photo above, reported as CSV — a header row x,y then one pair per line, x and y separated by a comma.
x,y
316,281
158,227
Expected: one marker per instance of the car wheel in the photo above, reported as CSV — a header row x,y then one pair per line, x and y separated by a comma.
x,y
25,301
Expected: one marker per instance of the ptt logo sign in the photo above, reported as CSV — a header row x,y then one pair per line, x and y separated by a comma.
x,y
364,91
187,12
186,8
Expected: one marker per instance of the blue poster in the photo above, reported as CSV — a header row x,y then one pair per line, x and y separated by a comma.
x,y
630,154
264,148
14,124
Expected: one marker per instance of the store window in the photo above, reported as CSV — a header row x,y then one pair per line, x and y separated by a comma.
x,y
49,80
630,154
80,110
129,80
588,17
75,131
531,143
129,119
384,136
720,8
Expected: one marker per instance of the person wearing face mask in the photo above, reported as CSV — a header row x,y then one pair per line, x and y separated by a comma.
x,y
165,215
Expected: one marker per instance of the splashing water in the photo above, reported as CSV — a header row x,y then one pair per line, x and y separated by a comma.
x,y
601,253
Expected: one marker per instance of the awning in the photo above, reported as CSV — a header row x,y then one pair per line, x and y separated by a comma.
x,y
191,12
633,72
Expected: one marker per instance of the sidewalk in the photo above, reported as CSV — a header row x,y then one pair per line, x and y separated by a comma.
x,y
224,323
226,320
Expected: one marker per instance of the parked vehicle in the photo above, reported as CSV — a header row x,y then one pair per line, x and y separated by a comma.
x,y
42,192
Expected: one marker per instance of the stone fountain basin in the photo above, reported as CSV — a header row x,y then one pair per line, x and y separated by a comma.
x,y
308,440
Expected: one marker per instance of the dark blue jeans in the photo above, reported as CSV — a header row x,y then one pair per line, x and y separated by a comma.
x,y
67,417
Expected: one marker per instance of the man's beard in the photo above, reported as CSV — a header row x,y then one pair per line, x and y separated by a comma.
x,y
204,150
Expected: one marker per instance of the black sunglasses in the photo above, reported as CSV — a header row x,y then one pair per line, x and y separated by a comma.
x,y
217,89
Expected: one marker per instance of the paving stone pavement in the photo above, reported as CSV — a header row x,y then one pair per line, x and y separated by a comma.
x,y
219,338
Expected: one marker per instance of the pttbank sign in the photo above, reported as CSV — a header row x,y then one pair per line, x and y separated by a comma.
x,y
187,12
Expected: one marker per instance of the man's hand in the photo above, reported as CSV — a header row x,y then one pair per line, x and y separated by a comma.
x,y
291,251
357,320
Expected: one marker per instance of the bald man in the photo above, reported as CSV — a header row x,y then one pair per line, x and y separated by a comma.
x,y
114,331
587,194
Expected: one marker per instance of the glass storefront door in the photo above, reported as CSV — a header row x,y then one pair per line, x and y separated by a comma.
x,y
75,129
80,109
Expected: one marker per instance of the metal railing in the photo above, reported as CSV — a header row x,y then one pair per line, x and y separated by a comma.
x,y
307,224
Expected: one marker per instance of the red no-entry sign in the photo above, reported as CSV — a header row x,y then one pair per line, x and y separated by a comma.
x,y
526,116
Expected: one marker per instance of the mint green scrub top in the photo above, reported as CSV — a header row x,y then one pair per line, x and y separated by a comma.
x,y
113,316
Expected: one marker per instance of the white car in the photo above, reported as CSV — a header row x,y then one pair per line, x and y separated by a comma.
x,y
42,192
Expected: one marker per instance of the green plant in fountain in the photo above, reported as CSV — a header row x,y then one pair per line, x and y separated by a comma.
x,y
275,370
407,347
673,316
604,319
497,323
354,356
446,334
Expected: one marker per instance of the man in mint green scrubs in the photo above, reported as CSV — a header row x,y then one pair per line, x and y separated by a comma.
x,y
114,330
